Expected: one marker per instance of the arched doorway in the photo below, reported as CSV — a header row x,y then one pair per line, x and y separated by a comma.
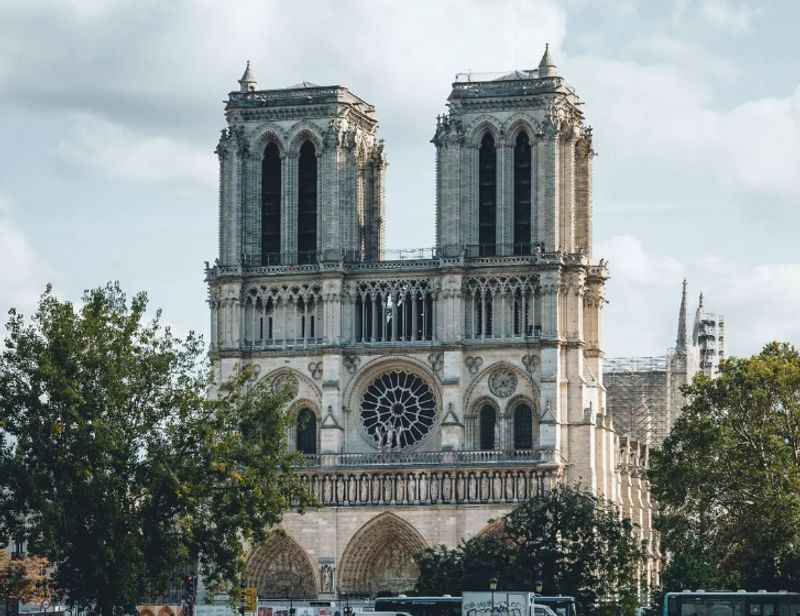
x,y
280,569
380,557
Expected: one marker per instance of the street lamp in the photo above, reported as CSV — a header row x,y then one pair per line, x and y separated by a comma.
x,y
537,586
493,587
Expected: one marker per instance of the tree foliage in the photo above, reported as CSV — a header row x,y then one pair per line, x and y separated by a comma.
x,y
117,466
573,542
728,477
24,579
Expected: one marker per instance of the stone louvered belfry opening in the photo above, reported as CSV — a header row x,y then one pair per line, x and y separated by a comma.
x,y
380,557
280,569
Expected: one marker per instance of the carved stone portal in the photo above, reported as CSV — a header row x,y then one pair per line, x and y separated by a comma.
x,y
280,568
380,557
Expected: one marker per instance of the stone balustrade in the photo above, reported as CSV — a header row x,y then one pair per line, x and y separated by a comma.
x,y
429,478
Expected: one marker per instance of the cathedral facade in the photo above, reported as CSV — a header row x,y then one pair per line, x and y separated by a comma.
x,y
430,393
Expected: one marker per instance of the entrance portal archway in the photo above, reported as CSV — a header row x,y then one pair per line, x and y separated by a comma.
x,y
380,557
281,569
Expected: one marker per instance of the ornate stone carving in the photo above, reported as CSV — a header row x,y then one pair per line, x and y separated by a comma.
x,y
436,360
351,363
473,363
503,382
327,575
284,383
398,409
315,368
531,363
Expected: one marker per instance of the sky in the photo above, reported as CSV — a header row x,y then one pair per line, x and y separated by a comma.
x,y
110,112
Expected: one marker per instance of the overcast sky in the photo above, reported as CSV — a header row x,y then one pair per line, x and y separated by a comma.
x,y
110,111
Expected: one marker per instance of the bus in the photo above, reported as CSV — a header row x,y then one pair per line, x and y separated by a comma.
x,y
729,603
451,606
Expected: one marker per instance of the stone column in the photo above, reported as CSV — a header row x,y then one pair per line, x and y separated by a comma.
x,y
566,192
505,198
548,200
289,188
229,199
251,206
583,192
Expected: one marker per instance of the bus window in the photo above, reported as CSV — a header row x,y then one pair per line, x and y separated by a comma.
x,y
692,609
720,609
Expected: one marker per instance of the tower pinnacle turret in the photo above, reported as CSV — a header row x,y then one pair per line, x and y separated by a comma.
x,y
680,341
546,66
248,81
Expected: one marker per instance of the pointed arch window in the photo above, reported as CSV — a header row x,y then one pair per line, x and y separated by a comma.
x,y
523,427
487,197
271,205
306,431
307,203
488,420
522,195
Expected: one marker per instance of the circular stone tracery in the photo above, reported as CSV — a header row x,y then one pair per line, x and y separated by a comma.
x,y
398,409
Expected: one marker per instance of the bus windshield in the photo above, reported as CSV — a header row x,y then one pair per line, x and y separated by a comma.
x,y
420,606
562,606
732,604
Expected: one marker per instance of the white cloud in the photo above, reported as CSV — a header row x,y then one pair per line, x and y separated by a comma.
x,y
693,59
121,153
651,114
25,273
760,303
728,15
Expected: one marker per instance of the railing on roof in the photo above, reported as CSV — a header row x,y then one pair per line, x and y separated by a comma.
x,y
470,76
537,455
470,251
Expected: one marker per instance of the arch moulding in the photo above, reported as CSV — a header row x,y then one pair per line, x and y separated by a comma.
x,y
380,556
522,377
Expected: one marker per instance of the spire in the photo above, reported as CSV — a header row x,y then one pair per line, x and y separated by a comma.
x,y
546,66
248,81
680,341
698,317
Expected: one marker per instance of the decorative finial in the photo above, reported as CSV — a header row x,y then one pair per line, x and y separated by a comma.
x,y
546,66
701,300
248,81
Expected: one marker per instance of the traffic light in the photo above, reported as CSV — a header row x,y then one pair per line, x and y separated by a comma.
x,y
189,588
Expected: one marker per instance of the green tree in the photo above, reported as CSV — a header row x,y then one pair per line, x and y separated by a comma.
x,y
727,478
118,467
574,543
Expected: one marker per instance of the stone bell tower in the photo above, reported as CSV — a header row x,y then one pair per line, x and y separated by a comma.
x,y
301,176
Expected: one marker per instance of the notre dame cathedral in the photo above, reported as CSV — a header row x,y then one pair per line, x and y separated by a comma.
x,y
435,390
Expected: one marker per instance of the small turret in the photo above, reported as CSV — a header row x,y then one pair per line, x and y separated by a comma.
x,y
248,81
546,66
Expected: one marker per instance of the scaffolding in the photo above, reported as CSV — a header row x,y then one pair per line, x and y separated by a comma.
x,y
638,396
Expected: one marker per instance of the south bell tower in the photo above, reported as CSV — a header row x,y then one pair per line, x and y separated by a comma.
x,y
432,392
301,176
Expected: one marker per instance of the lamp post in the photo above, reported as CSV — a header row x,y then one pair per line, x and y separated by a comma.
x,y
493,587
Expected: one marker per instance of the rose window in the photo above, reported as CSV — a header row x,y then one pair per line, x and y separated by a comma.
x,y
398,410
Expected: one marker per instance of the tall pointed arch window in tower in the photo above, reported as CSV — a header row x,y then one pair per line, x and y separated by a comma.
x,y
487,421
522,195
487,197
306,432
307,204
271,206
523,427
